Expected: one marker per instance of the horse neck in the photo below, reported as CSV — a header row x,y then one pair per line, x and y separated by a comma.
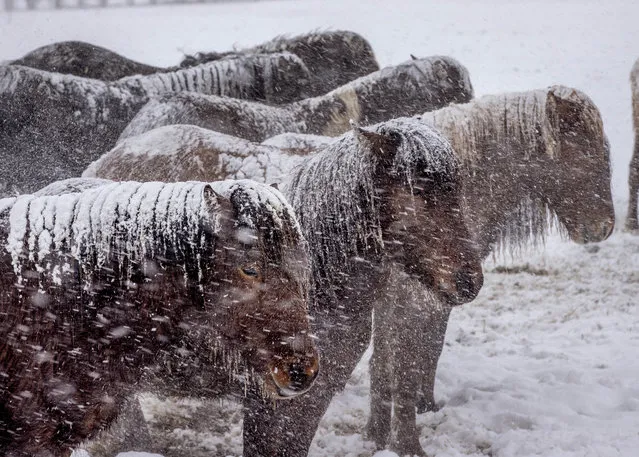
x,y
499,173
329,114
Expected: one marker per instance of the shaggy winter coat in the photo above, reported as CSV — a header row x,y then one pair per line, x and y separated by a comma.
x,y
52,126
105,285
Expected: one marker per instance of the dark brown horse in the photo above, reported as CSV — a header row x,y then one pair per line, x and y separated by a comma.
x,y
333,57
375,203
104,287
52,126
407,89
527,158
633,178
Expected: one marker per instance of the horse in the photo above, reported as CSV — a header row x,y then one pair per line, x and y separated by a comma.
x,y
420,84
377,201
179,152
526,157
333,57
111,284
67,121
86,60
633,177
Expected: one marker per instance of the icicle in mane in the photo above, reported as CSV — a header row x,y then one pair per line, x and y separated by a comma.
x,y
345,222
106,224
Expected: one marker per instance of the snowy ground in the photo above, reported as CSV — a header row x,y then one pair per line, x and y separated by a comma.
x,y
545,361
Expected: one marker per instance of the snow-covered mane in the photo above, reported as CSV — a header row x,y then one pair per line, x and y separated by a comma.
x,y
504,140
334,192
407,89
333,57
632,222
95,223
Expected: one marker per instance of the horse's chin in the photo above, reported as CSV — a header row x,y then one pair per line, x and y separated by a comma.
x,y
591,233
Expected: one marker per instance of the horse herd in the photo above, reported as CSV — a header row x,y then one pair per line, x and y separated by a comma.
x,y
218,227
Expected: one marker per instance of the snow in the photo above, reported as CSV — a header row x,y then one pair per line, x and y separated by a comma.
x,y
544,362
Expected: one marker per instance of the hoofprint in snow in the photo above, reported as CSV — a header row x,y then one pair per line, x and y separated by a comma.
x,y
558,349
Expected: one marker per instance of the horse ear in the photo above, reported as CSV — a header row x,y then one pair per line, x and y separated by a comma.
x,y
412,56
219,207
383,146
274,185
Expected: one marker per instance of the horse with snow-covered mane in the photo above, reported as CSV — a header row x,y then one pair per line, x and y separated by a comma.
x,y
108,285
407,89
633,178
376,203
84,59
526,158
62,122
333,57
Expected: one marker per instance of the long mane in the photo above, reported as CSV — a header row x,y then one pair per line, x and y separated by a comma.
x,y
127,223
335,196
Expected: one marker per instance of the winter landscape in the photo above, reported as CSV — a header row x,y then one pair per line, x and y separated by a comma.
x,y
544,361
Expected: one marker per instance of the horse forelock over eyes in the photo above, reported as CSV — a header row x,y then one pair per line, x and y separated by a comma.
x,y
346,220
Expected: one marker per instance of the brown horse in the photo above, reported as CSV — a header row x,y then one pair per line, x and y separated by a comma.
x,y
333,57
526,156
633,178
179,152
52,126
84,59
163,280
407,89
374,203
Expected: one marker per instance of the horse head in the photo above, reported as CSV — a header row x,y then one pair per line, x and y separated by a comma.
x,y
419,186
262,282
577,184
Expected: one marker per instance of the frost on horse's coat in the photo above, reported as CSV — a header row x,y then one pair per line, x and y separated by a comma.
x,y
103,286
66,121
529,160
179,152
403,90
333,57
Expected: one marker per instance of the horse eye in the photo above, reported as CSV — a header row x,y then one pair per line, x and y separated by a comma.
x,y
250,272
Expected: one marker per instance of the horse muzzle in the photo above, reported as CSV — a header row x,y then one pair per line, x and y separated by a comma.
x,y
462,287
593,232
294,375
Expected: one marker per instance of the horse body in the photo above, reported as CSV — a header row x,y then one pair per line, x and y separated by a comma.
x,y
111,284
421,85
525,157
68,121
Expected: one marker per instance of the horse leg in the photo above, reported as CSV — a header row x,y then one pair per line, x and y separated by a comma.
x,y
632,223
378,426
287,428
433,336
406,377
